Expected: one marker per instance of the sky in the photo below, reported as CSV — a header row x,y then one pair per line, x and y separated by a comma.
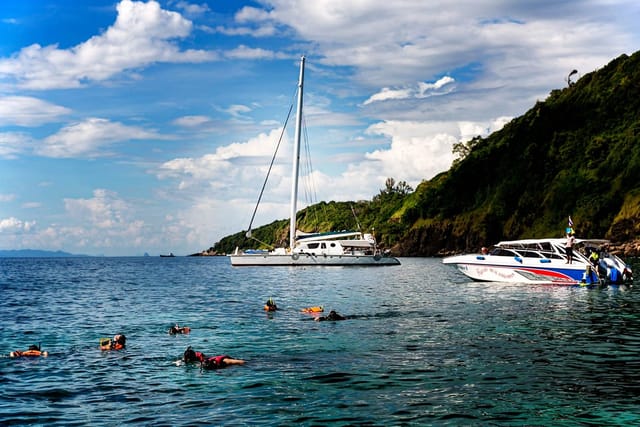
x,y
131,127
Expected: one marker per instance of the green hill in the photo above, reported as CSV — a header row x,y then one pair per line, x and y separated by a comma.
x,y
577,153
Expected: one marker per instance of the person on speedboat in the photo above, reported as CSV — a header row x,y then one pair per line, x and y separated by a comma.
x,y
569,247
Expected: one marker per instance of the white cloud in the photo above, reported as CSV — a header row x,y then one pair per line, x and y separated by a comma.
x,y
7,197
421,90
250,14
245,52
89,137
192,121
104,210
141,35
28,111
193,10
31,205
219,166
418,151
424,39
262,146
386,94
102,224
254,22
13,143
238,110
13,225
262,31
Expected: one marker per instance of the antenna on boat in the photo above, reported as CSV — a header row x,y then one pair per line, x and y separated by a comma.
x,y
355,217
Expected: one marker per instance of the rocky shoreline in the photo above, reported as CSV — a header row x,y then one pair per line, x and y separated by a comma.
x,y
207,252
629,249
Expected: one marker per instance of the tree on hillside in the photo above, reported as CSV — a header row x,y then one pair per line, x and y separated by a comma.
x,y
462,149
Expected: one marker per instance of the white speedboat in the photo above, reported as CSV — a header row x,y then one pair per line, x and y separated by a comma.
x,y
544,261
317,249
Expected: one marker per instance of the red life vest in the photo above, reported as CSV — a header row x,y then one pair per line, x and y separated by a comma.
x,y
215,362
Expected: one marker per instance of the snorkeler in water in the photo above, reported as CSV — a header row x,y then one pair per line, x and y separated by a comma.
x,y
270,305
177,329
33,351
213,362
117,343
331,316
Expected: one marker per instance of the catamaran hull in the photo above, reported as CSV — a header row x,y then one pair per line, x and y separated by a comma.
x,y
311,260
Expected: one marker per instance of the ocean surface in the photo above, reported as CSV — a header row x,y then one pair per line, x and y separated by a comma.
x,y
423,346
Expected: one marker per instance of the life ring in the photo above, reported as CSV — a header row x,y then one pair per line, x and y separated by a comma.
x,y
295,257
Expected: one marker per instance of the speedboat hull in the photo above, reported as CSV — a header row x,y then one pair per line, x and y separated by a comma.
x,y
488,268
544,261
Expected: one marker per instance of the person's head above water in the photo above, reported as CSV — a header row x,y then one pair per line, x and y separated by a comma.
x,y
190,355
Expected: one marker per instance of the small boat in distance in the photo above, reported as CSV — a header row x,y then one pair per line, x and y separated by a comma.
x,y
544,261
342,248
171,255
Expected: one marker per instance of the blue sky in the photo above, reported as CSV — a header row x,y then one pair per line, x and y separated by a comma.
x,y
130,127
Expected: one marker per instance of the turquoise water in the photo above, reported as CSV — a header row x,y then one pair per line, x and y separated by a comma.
x,y
423,346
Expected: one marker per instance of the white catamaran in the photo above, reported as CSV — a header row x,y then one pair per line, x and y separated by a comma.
x,y
322,249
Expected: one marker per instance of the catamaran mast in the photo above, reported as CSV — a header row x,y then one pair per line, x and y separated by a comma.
x,y
296,160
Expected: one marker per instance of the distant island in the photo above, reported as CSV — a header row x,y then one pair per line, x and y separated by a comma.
x,y
35,253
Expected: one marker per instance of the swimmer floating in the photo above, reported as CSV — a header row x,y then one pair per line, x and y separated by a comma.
x,y
33,351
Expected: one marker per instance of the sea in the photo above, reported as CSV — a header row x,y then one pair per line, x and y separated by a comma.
x,y
422,346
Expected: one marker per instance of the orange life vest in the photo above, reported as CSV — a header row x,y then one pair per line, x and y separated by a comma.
x,y
27,353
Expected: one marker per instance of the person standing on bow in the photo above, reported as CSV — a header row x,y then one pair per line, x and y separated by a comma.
x,y
569,247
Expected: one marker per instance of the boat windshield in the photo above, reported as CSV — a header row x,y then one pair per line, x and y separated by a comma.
x,y
532,249
502,252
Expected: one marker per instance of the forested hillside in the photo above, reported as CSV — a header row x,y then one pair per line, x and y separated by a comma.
x,y
576,153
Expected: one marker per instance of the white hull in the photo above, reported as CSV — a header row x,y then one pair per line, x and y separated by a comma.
x,y
542,261
492,269
310,260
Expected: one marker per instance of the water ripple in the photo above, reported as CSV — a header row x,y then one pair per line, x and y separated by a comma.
x,y
422,346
